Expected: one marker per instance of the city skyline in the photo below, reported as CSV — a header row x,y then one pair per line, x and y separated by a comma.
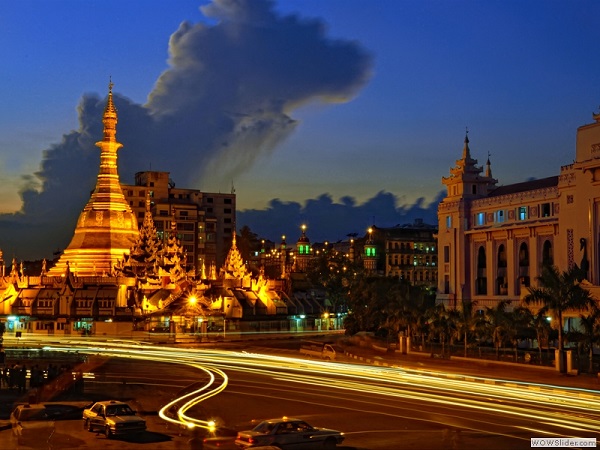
x,y
360,121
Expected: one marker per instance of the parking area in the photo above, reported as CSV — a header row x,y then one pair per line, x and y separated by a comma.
x,y
67,432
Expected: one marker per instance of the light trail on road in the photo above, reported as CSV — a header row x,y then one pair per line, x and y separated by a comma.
x,y
517,410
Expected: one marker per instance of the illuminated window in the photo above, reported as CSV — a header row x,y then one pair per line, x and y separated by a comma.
x,y
500,216
480,219
448,221
522,214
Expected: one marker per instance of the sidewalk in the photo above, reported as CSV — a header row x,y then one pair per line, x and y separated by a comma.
x,y
474,369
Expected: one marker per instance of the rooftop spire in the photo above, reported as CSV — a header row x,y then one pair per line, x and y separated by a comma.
x,y
466,151
488,167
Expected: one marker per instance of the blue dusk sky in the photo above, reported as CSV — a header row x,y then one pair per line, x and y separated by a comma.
x,y
335,113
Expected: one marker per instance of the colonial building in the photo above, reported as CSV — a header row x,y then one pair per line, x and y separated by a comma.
x,y
405,251
205,222
494,240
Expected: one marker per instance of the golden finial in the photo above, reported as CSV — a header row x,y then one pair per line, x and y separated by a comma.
x,y
110,84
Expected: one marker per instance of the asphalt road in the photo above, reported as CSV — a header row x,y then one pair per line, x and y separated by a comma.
x,y
378,408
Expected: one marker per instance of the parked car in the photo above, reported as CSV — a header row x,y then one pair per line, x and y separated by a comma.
x,y
113,418
214,438
286,433
31,424
320,350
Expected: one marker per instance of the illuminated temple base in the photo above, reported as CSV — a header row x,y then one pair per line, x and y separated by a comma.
x,y
86,263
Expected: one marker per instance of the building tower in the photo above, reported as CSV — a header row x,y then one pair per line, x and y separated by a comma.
x,y
303,252
283,255
465,184
106,228
370,255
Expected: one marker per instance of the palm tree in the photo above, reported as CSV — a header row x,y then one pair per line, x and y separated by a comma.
x,y
439,326
557,293
405,306
466,322
591,332
496,323
517,327
396,309
539,322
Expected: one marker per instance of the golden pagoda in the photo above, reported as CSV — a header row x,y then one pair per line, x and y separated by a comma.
x,y
107,227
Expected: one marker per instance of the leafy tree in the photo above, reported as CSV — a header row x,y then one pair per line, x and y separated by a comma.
x,y
337,275
366,302
247,242
558,292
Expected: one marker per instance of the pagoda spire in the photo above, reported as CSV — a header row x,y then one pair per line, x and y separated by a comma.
x,y
107,227
109,119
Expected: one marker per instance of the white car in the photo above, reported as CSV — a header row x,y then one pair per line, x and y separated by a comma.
x,y
112,418
31,424
287,433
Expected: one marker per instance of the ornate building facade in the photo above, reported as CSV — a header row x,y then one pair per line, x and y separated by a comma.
x,y
494,240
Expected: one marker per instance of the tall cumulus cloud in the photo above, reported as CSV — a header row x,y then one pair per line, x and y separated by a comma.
x,y
224,102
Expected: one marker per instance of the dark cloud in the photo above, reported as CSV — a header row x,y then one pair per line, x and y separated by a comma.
x,y
225,101
329,220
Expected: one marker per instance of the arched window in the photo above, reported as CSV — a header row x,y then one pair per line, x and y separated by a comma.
x,y
502,256
481,258
501,280
523,265
547,254
481,280
523,255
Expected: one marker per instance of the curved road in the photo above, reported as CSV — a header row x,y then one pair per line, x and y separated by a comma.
x,y
377,407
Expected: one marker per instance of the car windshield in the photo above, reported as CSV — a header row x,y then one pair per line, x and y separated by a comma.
x,y
264,427
32,414
119,410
